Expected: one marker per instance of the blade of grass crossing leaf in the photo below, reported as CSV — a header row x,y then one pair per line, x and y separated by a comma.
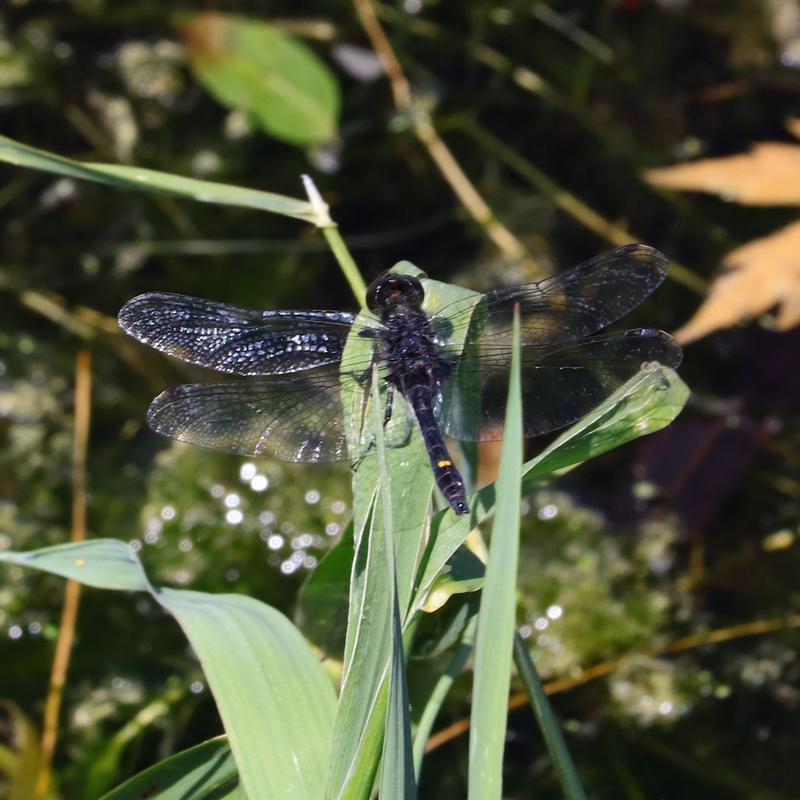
x,y
397,768
148,180
568,775
496,618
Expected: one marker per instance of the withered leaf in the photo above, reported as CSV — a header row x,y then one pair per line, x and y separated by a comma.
x,y
759,276
768,175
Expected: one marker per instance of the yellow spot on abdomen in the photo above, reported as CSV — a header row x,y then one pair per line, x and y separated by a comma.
x,y
79,562
444,463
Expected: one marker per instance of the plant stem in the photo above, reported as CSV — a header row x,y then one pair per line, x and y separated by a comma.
x,y
603,668
69,615
330,230
425,131
569,203
548,723
345,260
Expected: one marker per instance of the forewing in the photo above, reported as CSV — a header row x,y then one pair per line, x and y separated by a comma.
x,y
560,383
564,308
291,419
234,340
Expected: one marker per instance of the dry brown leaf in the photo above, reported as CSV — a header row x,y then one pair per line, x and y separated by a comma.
x,y
760,275
769,175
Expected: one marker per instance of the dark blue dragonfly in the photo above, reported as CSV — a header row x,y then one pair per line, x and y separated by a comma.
x,y
451,365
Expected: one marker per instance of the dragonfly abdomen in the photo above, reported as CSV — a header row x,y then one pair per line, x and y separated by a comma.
x,y
448,478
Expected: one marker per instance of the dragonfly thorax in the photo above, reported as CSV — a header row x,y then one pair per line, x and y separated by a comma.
x,y
408,343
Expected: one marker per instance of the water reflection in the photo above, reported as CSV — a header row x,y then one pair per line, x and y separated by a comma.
x,y
207,510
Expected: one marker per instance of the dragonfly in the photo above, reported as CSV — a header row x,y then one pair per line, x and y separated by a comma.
x,y
450,364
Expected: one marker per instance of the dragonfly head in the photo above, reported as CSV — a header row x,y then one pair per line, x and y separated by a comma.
x,y
390,292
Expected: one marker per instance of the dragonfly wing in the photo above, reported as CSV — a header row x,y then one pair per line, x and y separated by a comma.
x,y
236,340
564,308
291,419
560,383
296,418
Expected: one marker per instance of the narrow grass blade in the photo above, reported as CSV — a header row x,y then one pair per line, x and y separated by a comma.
x,y
398,780
397,769
647,402
148,180
204,772
275,700
548,724
496,618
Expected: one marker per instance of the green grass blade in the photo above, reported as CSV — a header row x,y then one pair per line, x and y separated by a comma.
x,y
647,402
274,697
204,772
148,180
398,780
397,769
496,618
568,775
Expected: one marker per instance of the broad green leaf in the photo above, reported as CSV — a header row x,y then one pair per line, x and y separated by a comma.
x,y
148,180
204,772
275,700
647,402
248,64
274,697
497,614
360,717
111,564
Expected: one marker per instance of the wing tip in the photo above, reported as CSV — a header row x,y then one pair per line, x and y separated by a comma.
x,y
638,251
127,319
671,345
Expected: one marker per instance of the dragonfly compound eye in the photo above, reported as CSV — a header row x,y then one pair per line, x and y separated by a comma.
x,y
389,291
